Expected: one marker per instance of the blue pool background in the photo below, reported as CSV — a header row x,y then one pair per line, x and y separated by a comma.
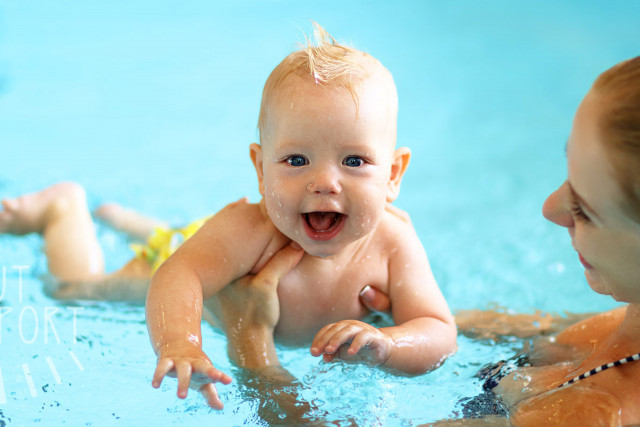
x,y
153,104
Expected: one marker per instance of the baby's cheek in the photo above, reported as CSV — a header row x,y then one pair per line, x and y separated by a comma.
x,y
278,209
371,211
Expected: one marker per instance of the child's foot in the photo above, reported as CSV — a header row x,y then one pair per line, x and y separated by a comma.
x,y
31,212
128,221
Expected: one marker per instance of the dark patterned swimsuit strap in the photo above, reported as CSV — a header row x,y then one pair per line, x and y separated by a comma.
x,y
632,358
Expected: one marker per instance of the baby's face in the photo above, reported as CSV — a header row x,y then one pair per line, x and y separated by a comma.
x,y
326,171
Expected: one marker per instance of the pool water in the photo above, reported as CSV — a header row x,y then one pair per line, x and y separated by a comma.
x,y
153,104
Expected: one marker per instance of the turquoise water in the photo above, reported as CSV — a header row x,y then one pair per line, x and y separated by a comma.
x,y
153,104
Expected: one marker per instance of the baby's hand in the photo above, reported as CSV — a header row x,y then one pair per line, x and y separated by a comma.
x,y
194,370
352,340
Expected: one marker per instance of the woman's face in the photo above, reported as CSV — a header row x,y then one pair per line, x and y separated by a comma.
x,y
588,205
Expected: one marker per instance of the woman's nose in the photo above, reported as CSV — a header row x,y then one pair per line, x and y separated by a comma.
x,y
324,182
556,208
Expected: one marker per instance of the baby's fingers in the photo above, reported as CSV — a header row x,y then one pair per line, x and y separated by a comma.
x,y
331,337
184,371
361,339
204,372
322,338
162,369
211,395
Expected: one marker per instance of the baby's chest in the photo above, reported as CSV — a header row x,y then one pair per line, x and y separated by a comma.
x,y
311,298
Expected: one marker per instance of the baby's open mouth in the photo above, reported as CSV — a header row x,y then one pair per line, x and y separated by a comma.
x,y
323,225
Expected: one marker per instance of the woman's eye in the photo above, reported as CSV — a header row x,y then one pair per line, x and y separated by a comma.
x,y
297,160
578,212
353,161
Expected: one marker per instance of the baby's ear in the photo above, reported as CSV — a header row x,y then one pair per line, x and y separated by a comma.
x,y
256,158
400,163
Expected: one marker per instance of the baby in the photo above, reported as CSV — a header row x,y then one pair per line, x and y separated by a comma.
x,y
327,171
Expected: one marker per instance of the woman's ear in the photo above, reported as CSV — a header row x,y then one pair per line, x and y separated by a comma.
x,y
256,158
400,163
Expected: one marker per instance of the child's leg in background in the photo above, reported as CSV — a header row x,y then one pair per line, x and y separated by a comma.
x,y
61,215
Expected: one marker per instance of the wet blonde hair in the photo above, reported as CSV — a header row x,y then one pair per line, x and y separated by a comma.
x,y
619,90
325,62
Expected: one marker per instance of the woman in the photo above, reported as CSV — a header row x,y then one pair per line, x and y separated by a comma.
x,y
586,374
599,204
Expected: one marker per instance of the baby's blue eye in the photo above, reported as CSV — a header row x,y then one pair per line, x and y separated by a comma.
x,y
297,160
353,161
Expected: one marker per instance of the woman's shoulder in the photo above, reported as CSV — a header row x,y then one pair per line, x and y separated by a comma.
x,y
578,405
596,327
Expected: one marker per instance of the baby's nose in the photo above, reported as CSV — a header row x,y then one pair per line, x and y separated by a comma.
x,y
324,182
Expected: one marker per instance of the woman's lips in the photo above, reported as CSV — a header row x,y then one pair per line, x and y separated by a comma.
x,y
584,262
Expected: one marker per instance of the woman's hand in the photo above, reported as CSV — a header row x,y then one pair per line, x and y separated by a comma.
x,y
374,299
248,310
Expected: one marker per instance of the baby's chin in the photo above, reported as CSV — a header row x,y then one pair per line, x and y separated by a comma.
x,y
313,250
320,249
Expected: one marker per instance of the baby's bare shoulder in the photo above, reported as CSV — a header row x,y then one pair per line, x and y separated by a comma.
x,y
396,228
242,214
238,227
396,214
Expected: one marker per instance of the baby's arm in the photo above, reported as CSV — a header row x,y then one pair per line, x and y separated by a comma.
x,y
425,333
215,256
